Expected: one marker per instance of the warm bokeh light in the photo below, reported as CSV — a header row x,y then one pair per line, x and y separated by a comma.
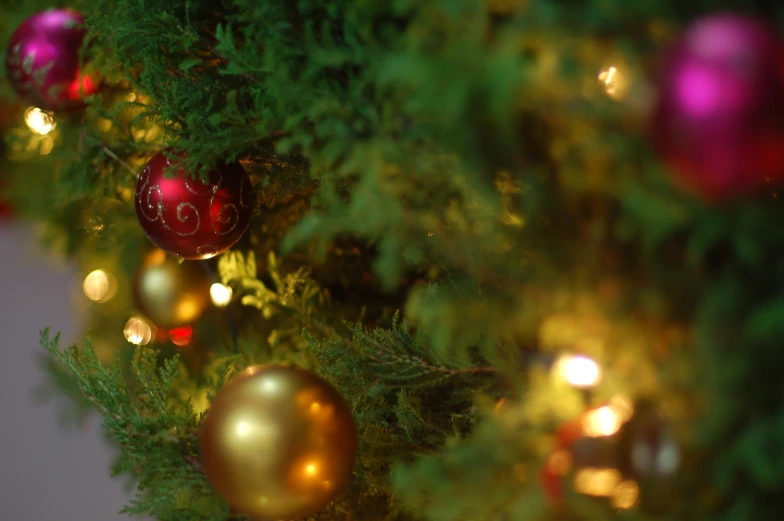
x,y
613,82
39,121
578,371
623,406
99,286
96,285
604,421
181,336
625,494
47,144
220,294
596,481
311,469
137,331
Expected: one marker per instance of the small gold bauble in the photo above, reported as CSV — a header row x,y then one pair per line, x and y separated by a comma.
x,y
278,443
170,293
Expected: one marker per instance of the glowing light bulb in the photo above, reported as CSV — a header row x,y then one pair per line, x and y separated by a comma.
x,y
311,469
604,421
579,371
613,82
220,295
137,331
96,285
39,121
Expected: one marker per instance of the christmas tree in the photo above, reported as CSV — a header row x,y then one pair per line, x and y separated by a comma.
x,y
434,260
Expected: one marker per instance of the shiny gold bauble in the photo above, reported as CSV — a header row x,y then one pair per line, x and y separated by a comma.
x,y
278,443
171,293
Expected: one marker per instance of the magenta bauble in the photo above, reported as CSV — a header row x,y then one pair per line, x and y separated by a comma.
x,y
42,61
187,217
719,124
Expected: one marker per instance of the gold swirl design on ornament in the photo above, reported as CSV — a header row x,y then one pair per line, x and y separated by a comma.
x,y
246,193
232,219
208,188
181,208
144,194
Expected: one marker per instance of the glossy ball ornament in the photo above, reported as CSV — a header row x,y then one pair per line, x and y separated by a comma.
x,y
190,218
43,61
278,443
719,124
170,293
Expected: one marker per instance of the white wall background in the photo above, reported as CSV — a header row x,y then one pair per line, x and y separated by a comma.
x,y
47,473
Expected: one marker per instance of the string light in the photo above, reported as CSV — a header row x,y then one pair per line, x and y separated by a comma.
x,y
39,121
220,295
613,82
137,331
99,286
578,371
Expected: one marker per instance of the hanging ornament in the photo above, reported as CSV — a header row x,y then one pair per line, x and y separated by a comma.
x,y
187,217
278,443
43,61
719,124
170,293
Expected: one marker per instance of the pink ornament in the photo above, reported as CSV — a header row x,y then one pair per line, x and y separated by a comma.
x,y
187,217
719,124
42,60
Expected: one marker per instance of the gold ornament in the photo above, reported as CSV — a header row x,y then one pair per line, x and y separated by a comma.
x,y
278,443
169,293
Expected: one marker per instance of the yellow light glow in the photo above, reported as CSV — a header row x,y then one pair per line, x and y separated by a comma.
x,y
613,82
47,144
625,494
315,407
39,121
596,482
137,331
311,469
131,97
604,421
220,294
243,429
579,371
96,285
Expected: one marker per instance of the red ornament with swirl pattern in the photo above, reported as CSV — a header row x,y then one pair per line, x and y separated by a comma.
x,y
190,218
43,63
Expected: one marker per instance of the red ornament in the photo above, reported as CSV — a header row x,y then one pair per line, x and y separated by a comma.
x,y
719,124
187,217
42,60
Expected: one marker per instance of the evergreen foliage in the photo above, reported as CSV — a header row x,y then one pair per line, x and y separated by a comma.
x,y
447,200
